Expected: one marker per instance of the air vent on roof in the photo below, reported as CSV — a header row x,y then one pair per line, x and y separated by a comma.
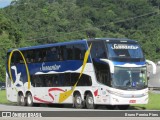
x,y
107,40
123,41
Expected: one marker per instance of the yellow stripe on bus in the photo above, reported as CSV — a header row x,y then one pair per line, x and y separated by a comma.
x,y
65,95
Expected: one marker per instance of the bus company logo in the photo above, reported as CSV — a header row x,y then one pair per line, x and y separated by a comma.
x,y
6,114
124,46
21,114
49,68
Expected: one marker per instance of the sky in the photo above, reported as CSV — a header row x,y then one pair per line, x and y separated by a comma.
x,y
4,3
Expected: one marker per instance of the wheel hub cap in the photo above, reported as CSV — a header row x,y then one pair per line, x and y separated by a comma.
x,y
29,100
90,100
78,100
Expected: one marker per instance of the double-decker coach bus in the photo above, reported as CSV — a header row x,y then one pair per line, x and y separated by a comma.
x,y
85,73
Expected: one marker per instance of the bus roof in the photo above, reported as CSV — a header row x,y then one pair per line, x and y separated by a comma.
x,y
115,40
50,45
76,42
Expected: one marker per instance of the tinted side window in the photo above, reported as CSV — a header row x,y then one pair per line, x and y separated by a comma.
x,y
98,49
59,53
79,51
75,51
85,80
52,54
39,55
16,58
60,80
29,56
70,54
63,53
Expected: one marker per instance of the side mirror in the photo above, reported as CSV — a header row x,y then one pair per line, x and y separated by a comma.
x,y
153,65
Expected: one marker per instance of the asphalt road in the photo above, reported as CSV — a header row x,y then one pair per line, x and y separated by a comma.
x,y
79,112
154,80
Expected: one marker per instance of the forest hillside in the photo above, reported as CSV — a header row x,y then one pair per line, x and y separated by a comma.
x,y
33,22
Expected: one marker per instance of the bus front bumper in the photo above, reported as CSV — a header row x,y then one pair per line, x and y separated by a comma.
x,y
117,100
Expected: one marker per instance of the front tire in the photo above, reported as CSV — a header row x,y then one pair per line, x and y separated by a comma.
x,y
21,101
90,101
29,100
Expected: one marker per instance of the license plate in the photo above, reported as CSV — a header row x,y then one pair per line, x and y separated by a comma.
x,y
132,101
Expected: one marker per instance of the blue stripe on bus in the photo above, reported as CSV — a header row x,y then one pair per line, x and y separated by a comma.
x,y
45,67
53,66
123,63
119,63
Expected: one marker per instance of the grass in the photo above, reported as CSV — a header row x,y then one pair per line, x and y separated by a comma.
x,y
3,98
153,103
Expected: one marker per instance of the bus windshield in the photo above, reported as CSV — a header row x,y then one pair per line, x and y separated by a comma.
x,y
129,78
124,50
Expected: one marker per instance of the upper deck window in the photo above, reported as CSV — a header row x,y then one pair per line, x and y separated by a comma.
x,y
51,54
98,49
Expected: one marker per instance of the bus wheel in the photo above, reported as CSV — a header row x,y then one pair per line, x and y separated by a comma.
x,y
90,101
29,99
78,103
123,107
21,100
